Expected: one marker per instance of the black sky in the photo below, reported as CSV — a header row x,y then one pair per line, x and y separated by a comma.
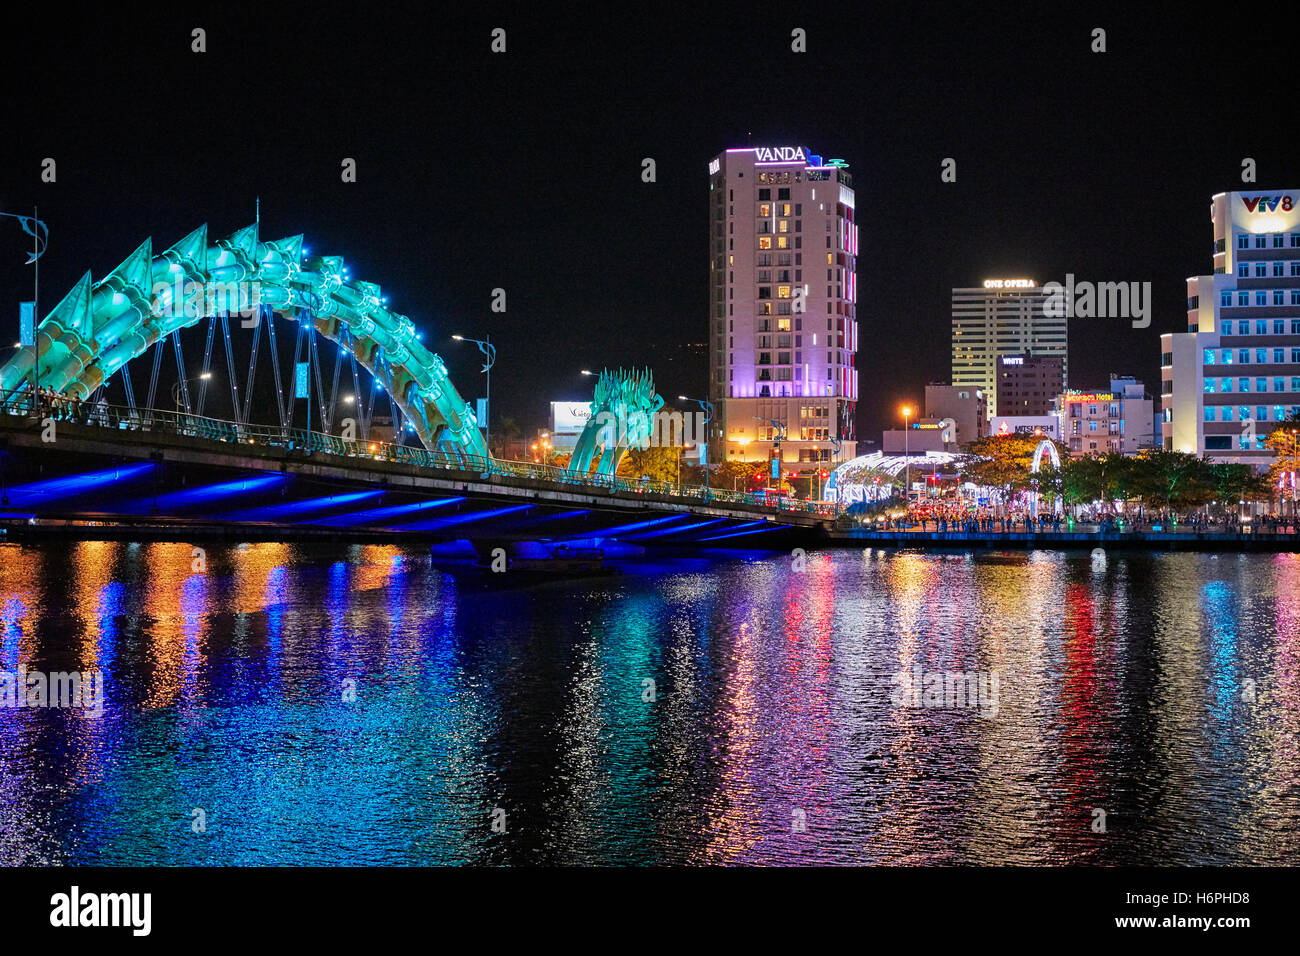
x,y
522,170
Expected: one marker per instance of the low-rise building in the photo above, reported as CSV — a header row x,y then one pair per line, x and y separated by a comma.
x,y
966,405
1100,422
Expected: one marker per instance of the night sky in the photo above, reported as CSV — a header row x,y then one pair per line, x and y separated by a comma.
x,y
522,170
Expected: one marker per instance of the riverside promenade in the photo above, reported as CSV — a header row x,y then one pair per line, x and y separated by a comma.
x,y
1078,539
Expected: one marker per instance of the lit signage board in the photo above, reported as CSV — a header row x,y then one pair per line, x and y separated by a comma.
x,y
1089,397
569,418
1010,284
714,166
27,323
1268,203
780,154
1013,360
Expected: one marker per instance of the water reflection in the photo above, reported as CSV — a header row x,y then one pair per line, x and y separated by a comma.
x,y
358,704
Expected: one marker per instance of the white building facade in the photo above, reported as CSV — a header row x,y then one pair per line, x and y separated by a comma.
x,y
1234,375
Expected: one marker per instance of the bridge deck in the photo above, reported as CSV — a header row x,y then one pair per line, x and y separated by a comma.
x,y
183,449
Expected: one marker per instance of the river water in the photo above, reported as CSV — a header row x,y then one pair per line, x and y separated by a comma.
x,y
292,704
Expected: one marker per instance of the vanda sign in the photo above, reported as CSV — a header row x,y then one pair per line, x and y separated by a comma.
x,y
780,154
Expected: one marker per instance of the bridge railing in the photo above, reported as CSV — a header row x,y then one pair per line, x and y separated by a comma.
x,y
184,424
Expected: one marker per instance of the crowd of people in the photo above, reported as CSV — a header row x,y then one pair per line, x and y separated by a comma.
x,y
59,406
955,518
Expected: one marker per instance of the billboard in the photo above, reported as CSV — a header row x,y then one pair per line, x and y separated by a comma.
x,y
569,418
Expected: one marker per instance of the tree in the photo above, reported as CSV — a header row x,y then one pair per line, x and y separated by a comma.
x,y
1233,482
1002,462
1050,482
504,435
1284,442
740,475
1109,478
659,463
1172,479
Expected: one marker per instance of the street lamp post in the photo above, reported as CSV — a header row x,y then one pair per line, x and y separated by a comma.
x,y
40,234
707,407
489,359
778,428
907,458
176,388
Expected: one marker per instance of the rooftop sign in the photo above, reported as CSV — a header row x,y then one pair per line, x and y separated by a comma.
x,y
1267,203
780,154
1009,284
1088,396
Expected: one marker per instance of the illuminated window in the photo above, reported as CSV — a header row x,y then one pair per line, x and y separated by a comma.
x,y
765,242
765,209
782,242
783,292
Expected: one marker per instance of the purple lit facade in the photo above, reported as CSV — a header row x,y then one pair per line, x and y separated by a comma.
x,y
783,244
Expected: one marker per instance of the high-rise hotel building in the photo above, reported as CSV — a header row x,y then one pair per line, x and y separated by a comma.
x,y
1235,373
1002,317
783,324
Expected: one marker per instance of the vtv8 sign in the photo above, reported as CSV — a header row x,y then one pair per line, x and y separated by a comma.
x,y
1268,203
